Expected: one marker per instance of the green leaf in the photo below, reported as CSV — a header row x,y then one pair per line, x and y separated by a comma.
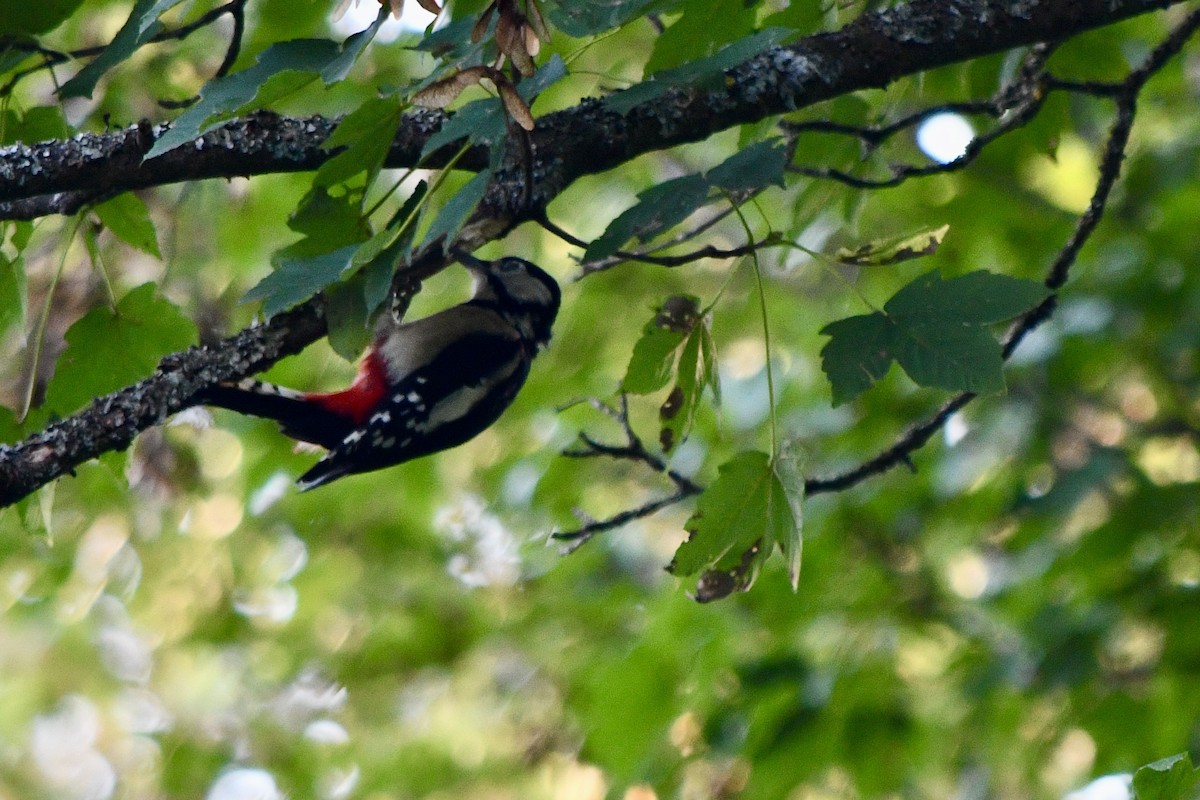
x,y
106,351
296,280
584,18
129,220
1171,778
693,35
38,124
893,250
339,67
480,121
658,208
934,329
761,164
695,372
328,223
458,209
858,354
789,469
697,74
377,260
13,295
140,28
710,376
654,354
739,520
348,317
367,134
224,97
977,298
31,19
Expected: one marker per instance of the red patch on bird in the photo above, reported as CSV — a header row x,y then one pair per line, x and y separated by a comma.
x,y
363,396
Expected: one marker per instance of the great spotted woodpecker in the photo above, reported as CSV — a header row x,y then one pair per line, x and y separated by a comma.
x,y
422,386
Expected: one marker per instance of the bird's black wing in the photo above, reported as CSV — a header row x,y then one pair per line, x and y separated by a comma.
x,y
451,399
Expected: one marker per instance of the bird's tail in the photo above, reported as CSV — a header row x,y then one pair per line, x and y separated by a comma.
x,y
297,415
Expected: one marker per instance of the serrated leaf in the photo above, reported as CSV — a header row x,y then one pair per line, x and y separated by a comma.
x,y
106,351
935,329
893,250
739,520
141,26
977,298
296,280
327,221
945,356
757,166
1171,778
129,220
658,208
367,134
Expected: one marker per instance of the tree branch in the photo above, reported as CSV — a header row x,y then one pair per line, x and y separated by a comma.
x,y
870,52
111,422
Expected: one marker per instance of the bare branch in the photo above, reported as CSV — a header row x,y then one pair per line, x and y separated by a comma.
x,y
633,450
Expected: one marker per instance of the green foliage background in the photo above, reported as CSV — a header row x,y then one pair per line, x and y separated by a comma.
x,y
1013,619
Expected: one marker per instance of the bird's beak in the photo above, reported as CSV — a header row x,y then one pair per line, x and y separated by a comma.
x,y
471,262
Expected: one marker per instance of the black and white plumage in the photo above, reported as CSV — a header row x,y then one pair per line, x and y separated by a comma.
x,y
423,386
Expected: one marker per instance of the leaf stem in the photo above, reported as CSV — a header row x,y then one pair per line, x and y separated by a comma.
x,y
40,334
762,307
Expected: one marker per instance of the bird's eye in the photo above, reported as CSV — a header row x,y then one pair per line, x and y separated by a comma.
x,y
510,265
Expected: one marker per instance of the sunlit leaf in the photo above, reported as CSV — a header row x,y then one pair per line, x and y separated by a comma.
x,y
129,219
139,28
106,351
893,250
739,520
1171,778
